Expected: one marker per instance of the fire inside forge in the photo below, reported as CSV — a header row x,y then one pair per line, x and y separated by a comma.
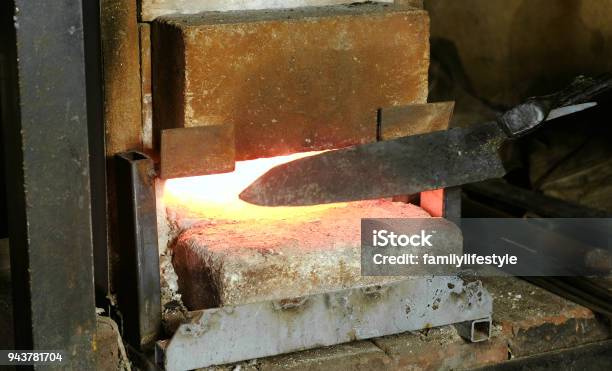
x,y
227,251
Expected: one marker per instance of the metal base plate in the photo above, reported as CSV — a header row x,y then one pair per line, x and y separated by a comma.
x,y
236,333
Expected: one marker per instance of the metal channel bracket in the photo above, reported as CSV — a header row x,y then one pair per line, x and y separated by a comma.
x,y
139,291
236,333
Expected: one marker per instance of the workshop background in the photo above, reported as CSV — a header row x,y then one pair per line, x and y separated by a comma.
x,y
489,55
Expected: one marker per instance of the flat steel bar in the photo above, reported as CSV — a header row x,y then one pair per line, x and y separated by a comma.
x,y
97,151
47,156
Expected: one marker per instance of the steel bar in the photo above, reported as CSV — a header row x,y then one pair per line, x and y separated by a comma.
x,y
139,292
47,157
226,334
97,152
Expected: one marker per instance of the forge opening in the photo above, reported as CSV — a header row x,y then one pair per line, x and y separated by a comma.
x,y
228,251
216,196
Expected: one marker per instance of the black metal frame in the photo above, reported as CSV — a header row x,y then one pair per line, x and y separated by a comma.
x,y
97,151
51,119
3,210
139,291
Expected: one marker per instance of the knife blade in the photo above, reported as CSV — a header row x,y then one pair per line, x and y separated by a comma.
x,y
415,163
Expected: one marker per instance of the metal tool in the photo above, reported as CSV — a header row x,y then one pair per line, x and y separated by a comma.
x,y
416,163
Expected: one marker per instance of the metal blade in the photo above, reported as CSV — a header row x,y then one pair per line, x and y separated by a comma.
x,y
402,166
568,110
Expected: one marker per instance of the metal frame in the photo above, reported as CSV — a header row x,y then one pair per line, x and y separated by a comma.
x,y
45,131
97,151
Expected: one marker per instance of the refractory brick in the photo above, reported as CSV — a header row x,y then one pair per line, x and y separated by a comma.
x,y
223,262
289,80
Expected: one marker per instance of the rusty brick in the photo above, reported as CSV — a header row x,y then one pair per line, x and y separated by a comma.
x,y
197,151
151,9
535,321
362,355
168,85
359,355
415,119
290,80
441,349
226,261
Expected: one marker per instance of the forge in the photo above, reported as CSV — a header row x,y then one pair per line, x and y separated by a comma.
x,y
242,92
229,252
291,276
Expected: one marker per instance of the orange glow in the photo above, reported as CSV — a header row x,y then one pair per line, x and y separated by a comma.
x,y
216,196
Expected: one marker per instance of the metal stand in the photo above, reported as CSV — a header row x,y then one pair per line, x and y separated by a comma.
x,y
236,333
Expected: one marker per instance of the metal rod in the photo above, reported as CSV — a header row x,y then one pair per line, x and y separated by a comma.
x,y
47,162
139,292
